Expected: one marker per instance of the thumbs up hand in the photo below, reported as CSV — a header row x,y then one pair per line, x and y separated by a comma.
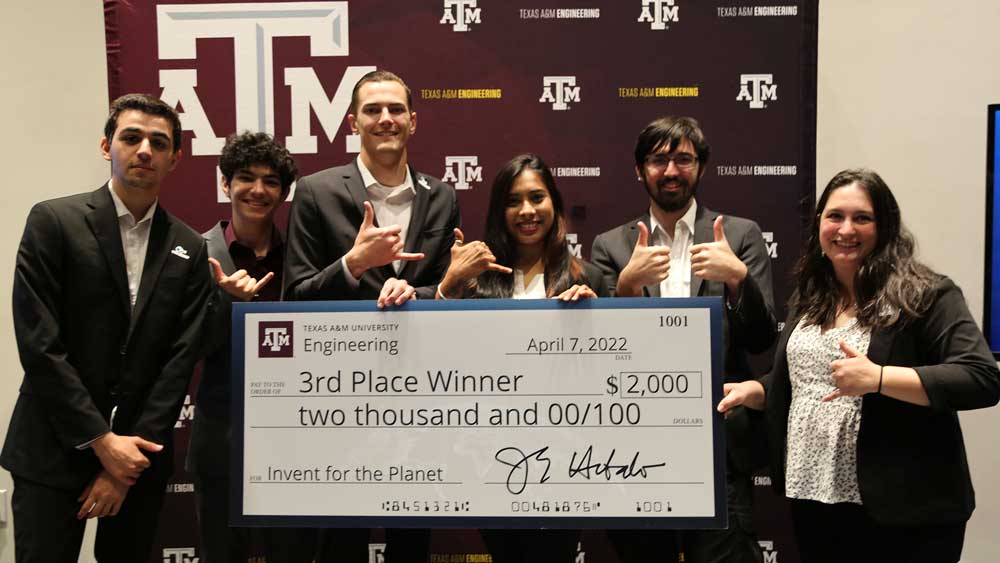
x,y
648,265
854,375
715,261
376,246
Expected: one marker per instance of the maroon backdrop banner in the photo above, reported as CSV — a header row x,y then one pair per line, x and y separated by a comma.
x,y
574,81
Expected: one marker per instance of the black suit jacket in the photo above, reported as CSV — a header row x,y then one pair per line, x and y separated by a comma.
x,y
326,213
82,347
912,469
749,326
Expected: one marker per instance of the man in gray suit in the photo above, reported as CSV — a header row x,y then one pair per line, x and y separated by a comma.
x,y
246,255
680,249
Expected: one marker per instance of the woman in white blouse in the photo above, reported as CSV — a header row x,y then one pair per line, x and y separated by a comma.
x,y
523,254
877,356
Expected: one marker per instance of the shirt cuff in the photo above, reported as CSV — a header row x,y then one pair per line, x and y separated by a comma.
x,y
88,443
352,282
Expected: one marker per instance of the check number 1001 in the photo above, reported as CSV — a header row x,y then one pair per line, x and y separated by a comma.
x,y
673,321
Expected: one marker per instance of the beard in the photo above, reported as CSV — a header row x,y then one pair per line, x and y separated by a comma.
x,y
669,199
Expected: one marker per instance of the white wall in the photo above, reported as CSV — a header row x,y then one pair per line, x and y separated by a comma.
x,y
903,88
52,107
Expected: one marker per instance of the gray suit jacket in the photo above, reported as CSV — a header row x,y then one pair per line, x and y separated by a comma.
x,y
749,326
326,213
208,446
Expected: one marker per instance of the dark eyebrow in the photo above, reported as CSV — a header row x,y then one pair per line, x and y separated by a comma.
x,y
140,131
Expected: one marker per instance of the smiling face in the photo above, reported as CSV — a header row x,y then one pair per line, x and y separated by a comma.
x,y
255,193
141,152
530,213
847,230
671,186
383,120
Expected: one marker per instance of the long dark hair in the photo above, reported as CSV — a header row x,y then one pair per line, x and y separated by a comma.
x,y
562,269
890,286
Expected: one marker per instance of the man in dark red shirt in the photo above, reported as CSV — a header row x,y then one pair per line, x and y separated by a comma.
x,y
246,254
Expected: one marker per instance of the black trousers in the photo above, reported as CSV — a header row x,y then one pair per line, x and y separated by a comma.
x,y
221,543
735,544
844,532
46,529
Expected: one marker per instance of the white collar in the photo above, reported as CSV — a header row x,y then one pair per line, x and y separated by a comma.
x,y
687,220
121,210
370,181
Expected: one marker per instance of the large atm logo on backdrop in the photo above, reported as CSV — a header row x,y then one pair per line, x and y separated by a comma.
x,y
657,13
559,91
461,13
253,28
757,89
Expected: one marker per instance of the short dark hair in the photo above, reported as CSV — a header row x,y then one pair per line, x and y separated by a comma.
x,y
669,131
146,104
243,150
380,76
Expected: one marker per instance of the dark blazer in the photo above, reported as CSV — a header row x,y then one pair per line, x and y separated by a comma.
x,y
82,347
595,279
208,448
326,213
748,327
912,469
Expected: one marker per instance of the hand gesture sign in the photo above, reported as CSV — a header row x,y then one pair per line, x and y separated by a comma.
x,y
240,284
376,246
715,261
854,376
468,260
648,265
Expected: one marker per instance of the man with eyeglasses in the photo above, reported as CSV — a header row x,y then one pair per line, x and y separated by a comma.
x,y
681,249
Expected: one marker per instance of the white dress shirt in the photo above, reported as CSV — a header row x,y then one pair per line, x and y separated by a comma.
x,y
135,241
392,206
534,290
678,281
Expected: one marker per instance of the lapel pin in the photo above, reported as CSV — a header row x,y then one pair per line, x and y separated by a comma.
x,y
423,182
179,251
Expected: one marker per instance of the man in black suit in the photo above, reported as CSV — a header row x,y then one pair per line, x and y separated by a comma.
x,y
360,231
372,229
110,292
246,255
681,249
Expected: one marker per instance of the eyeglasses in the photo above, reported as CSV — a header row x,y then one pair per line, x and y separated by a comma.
x,y
683,161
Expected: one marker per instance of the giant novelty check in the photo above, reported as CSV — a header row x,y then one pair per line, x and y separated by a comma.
x,y
479,413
